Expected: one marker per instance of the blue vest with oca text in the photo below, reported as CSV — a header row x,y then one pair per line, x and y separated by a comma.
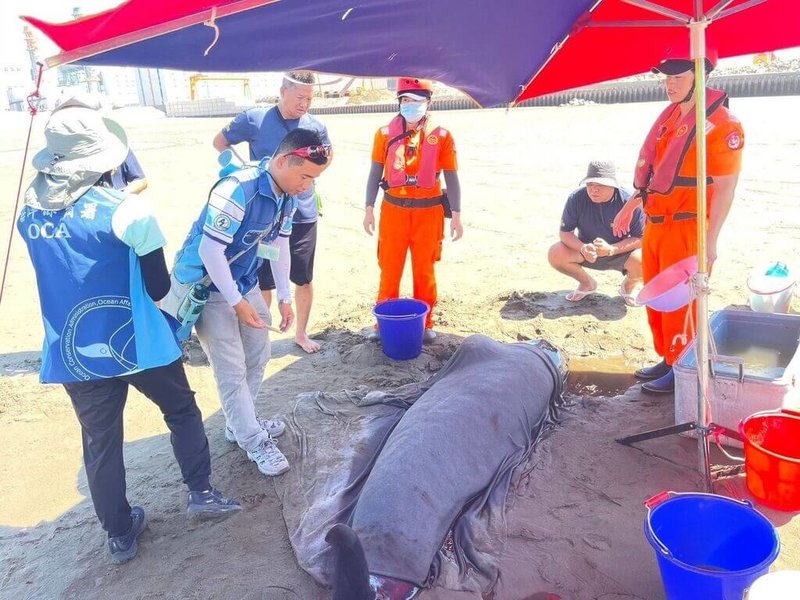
x,y
99,321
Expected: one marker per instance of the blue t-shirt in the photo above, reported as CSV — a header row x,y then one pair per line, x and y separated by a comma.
x,y
128,171
264,129
593,220
99,321
240,208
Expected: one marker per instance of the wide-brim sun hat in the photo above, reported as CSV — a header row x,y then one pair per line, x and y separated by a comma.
x,y
82,145
80,99
601,172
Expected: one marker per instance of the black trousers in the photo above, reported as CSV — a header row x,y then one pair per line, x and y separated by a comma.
x,y
99,405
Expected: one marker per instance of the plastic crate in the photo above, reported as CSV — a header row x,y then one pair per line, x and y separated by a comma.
x,y
767,345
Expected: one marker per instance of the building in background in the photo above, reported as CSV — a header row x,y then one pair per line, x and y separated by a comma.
x,y
17,66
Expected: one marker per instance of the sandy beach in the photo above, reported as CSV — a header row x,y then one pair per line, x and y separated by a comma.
x,y
575,519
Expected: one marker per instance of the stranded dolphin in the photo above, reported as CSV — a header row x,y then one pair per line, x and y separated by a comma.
x,y
448,462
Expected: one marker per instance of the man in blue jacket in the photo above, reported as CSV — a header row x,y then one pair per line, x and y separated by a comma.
x,y
263,129
248,218
99,263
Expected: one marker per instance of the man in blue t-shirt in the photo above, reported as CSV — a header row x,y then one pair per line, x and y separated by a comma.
x,y
263,129
248,217
587,241
100,269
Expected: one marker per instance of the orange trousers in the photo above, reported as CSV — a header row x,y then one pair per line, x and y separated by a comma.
x,y
420,230
664,244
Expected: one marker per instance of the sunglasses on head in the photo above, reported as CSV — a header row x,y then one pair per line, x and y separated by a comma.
x,y
320,151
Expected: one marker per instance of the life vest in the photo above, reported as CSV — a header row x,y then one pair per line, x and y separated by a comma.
x,y
660,178
427,155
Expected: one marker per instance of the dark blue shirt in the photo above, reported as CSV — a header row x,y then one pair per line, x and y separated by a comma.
x,y
593,220
264,129
128,171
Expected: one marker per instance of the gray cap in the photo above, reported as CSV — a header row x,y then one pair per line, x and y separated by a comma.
x,y
602,172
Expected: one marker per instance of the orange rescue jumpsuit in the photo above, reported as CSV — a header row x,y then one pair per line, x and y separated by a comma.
x,y
666,243
420,230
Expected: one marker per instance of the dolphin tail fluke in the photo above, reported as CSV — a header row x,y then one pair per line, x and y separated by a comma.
x,y
351,574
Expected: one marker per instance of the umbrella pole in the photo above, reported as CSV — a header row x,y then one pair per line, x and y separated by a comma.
x,y
700,280
697,30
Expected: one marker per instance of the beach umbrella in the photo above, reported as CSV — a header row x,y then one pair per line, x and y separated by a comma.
x,y
496,51
467,44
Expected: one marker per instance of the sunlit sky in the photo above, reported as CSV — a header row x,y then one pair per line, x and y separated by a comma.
x,y
61,10
48,10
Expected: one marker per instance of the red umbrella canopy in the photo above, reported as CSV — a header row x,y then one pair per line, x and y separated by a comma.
x,y
494,50
618,38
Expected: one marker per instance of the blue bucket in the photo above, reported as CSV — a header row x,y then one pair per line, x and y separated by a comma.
x,y
708,547
401,323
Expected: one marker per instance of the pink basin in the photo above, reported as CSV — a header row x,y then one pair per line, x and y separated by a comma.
x,y
670,289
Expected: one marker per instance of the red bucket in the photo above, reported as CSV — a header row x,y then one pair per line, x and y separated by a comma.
x,y
772,457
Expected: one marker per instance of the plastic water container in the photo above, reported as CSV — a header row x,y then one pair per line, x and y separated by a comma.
x,y
708,547
401,323
771,288
779,585
670,289
757,369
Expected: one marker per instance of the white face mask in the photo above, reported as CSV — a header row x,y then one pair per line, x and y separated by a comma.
x,y
413,111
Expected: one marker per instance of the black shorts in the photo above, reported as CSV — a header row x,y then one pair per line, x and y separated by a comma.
x,y
302,247
609,263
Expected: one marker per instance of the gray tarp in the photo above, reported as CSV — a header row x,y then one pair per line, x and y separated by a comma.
x,y
405,468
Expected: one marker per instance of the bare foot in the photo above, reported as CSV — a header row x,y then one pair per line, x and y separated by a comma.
x,y
306,343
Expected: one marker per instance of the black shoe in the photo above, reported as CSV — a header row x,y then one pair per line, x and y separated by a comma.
x,y
210,504
662,385
428,336
653,372
124,547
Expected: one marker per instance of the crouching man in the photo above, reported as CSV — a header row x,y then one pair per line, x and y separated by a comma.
x,y
587,240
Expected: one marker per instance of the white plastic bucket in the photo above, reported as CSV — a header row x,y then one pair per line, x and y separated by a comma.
x,y
779,585
778,302
770,293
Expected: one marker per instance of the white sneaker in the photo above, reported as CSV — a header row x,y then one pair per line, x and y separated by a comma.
x,y
273,427
269,459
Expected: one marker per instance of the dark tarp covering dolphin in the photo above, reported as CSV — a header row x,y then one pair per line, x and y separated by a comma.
x,y
407,468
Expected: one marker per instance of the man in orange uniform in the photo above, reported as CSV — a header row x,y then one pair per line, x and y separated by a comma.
x,y
407,157
666,177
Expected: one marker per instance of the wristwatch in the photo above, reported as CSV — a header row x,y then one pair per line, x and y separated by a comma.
x,y
613,251
289,302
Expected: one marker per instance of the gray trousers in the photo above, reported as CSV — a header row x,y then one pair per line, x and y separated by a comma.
x,y
238,355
